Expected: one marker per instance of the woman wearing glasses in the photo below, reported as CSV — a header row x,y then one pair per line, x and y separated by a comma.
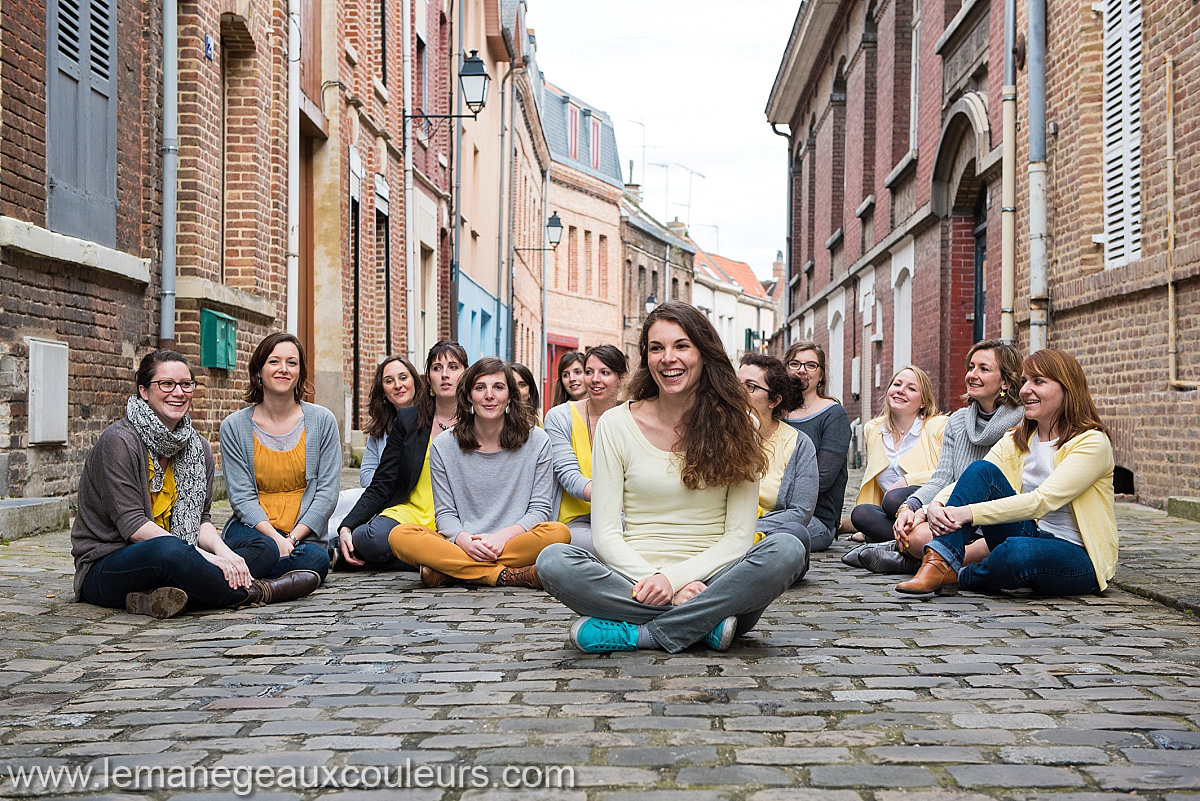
x,y
572,428
283,461
143,539
787,492
824,420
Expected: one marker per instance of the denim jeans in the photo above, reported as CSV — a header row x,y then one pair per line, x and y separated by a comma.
x,y
308,555
171,562
1021,555
745,588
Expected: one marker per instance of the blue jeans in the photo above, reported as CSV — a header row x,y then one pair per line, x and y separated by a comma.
x,y
1021,555
171,562
308,555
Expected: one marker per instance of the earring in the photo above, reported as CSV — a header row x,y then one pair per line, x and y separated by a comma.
x,y
1003,394
507,406
472,410
431,392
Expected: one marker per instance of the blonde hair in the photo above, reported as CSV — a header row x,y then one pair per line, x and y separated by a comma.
x,y
929,407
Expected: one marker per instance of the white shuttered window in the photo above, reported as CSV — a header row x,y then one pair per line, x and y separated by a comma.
x,y
1122,132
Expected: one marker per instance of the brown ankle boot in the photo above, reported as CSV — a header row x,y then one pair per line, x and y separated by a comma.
x,y
433,578
935,575
519,577
161,603
288,587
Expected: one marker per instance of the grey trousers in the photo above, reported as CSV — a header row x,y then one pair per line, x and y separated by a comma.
x,y
371,544
743,589
820,537
581,532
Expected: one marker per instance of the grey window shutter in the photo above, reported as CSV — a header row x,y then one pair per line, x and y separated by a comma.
x,y
81,133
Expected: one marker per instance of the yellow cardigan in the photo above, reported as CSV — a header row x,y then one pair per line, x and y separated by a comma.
x,y
918,464
1082,477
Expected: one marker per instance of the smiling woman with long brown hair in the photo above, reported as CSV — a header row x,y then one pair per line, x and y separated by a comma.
x,y
682,460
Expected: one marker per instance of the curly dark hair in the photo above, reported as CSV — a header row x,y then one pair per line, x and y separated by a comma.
x,y
565,361
517,419
380,411
779,384
425,404
721,446
254,392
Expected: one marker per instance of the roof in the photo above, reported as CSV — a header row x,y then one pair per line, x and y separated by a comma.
x,y
555,111
737,273
642,220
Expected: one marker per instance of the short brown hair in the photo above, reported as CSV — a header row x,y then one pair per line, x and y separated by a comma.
x,y
1008,361
254,392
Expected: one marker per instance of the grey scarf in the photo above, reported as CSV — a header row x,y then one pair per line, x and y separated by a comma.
x,y
985,433
184,448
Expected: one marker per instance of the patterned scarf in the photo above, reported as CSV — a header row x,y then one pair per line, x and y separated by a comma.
x,y
184,447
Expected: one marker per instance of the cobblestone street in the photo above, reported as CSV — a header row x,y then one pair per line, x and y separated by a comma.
x,y
845,691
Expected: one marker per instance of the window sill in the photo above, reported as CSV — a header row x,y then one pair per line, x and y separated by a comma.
x,y
902,169
29,238
865,206
380,90
190,287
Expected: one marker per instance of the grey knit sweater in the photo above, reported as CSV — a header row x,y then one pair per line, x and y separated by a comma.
x,y
968,438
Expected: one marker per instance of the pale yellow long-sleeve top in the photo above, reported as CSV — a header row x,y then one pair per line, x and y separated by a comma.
x,y
1082,477
918,464
685,534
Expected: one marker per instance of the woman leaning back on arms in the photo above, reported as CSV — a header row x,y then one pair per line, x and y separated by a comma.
x,y
572,429
283,460
993,378
683,458
401,491
493,490
143,539
1042,498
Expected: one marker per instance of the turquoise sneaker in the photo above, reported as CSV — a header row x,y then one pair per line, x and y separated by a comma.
x,y
721,636
595,636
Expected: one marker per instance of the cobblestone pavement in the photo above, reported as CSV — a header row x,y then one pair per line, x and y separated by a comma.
x,y
847,691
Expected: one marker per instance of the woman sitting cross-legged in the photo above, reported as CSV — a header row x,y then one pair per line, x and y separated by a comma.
x,y
401,490
143,539
1042,499
282,459
683,459
493,490
787,493
993,378
572,428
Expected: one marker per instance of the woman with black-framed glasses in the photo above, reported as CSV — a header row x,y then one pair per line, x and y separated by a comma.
x,y
143,539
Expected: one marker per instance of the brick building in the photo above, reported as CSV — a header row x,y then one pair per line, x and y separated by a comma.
x,y
656,263
894,112
80,212
583,282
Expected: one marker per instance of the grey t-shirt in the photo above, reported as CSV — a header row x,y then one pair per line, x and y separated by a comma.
x,y
485,492
829,429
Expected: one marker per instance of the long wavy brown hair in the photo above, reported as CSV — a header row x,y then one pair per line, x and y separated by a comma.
x,y
1008,362
1078,412
518,419
721,446
566,360
380,411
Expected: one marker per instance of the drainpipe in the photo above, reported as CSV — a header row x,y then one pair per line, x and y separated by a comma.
x,y
410,239
787,257
1039,295
500,271
292,319
1008,182
1172,356
457,156
512,218
170,153
545,269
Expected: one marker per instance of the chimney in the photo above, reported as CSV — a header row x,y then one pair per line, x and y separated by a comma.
x,y
777,267
634,192
678,228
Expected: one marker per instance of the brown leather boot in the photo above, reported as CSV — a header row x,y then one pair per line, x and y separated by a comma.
x,y
519,577
161,603
935,575
288,587
433,578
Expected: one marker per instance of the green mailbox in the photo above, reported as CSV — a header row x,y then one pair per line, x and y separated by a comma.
x,y
218,340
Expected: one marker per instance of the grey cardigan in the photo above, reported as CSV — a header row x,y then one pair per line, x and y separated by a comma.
x,y
114,496
568,477
797,491
322,468
967,439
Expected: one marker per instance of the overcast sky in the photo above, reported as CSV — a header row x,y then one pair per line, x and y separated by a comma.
x,y
696,74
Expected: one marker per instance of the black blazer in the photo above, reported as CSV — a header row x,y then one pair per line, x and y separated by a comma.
x,y
399,468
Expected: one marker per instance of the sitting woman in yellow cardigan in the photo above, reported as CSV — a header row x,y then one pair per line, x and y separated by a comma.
x,y
1057,533
903,447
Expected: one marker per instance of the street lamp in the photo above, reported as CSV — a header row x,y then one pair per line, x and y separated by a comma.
x,y
651,303
473,83
554,228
